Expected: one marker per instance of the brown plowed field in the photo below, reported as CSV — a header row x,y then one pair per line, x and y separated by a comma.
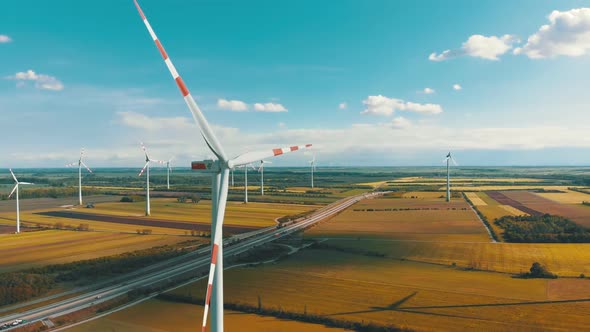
x,y
578,213
146,222
505,200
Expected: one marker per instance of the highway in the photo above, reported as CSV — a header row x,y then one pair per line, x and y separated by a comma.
x,y
173,268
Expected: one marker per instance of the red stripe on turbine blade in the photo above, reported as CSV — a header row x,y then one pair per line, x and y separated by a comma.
x,y
208,299
161,48
307,145
214,254
277,151
139,10
181,86
294,148
203,329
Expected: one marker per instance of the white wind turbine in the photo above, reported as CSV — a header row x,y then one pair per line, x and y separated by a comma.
x,y
17,204
245,180
312,166
448,160
220,170
80,163
261,170
146,168
168,170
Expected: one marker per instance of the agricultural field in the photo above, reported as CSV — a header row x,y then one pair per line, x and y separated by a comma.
x,y
407,294
157,315
180,217
31,249
405,219
567,197
577,213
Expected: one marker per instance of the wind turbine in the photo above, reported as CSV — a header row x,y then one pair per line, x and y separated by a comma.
x,y
146,168
448,160
261,170
168,170
219,170
80,163
312,166
17,205
246,181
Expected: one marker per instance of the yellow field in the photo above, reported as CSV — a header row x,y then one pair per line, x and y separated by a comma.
x,y
427,219
237,213
406,294
416,179
501,187
19,251
376,184
423,194
563,259
512,210
475,200
158,316
569,197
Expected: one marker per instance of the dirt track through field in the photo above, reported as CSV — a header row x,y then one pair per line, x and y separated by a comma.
x,y
505,200
146,222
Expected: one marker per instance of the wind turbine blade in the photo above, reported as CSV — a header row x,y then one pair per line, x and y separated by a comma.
x,y
88,168
198,116
267,162
13,176
25,183
445,160
144,150
13,190
72,164
250,157
158,161
454,162
144,167
82,153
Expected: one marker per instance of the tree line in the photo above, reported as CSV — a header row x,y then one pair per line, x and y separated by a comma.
x,y
545,228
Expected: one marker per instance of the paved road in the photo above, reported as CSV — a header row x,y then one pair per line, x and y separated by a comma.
x,y
180,266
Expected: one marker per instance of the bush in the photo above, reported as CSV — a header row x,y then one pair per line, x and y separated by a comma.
x,y
126,199
538,271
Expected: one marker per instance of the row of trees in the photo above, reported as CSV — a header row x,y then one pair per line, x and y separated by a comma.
x,y
545,228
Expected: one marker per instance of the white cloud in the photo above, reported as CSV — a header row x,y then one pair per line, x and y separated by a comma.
x,y
282,125
457,87
5,39
567,34
43,82
381,105
144,122
232,105
400,123
269,107
342,106
479,46
428,91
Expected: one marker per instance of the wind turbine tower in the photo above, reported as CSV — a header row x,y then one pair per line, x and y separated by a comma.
x,y
312,166
146,169
15,189
261,170
80,163
448,160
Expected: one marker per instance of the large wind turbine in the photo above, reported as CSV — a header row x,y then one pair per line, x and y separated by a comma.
x,y
17,205
168,169
80,163
261,170
146,168
219,169
448,160
312,166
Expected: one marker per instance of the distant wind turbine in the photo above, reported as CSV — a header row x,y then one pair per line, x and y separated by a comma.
x,y
17,204
80,163
448,160
168,170
219,169
261,170
146,168
312,166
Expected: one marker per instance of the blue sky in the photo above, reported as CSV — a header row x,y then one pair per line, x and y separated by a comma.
x,y
347,76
